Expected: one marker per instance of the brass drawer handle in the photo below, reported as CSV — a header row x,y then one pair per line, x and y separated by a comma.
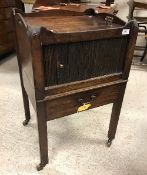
x,y
60,65
85,106
81,101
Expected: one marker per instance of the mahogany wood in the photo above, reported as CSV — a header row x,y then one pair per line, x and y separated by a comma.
x,y
71,60
6,26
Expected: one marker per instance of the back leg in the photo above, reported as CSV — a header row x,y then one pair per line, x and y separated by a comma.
x,y
26,107
144,53
24,94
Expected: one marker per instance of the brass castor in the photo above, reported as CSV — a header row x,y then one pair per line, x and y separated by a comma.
x,y
109,142
40,166
25,122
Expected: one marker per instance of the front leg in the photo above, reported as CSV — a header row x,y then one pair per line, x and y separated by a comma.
x,y
42,132
115,116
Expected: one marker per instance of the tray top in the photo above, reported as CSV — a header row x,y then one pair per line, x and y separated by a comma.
x,y
70,24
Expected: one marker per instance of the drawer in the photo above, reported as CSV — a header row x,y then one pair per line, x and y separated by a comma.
x,y
6,26
7,3
8,37
5,13
6,47
59,106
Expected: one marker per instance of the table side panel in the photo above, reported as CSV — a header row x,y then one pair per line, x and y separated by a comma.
x,y
25,59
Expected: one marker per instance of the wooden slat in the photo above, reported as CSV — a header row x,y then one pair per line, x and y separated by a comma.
x,y
94,61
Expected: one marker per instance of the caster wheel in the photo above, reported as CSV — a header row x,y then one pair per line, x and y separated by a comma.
x,y
109,143
40,166
25,122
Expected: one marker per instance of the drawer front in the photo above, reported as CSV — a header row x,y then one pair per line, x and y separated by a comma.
x,y
8,37
6,47
6,27
7,3
2,14
5,13
70,104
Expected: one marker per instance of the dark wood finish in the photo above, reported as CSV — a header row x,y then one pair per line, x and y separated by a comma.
x,y
42,132
7,38
115,114
139,5
59,75
71,99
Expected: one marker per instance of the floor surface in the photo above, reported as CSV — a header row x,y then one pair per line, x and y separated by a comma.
x,y
77,142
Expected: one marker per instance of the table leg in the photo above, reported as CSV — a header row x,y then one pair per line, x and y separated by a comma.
x,y
42,131
115,116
